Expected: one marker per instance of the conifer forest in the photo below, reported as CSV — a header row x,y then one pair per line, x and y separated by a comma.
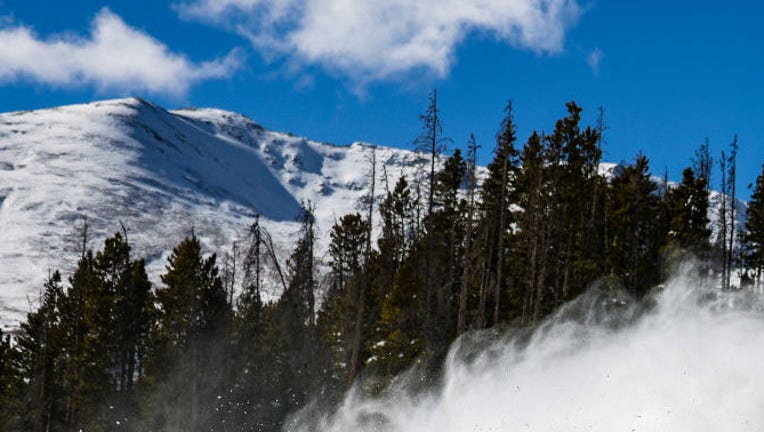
x,y
446,249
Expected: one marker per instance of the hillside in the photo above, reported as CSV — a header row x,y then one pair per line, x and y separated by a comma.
x,y
161,174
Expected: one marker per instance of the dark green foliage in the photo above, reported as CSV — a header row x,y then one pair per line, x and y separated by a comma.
x,y
753,240
124,318
497,193
560,238
190,346
397,211
337,318
418,309
703,162
12,386
636,229
296,351
42,348
446,228
688,210
348,238
534,228
401,339
105,353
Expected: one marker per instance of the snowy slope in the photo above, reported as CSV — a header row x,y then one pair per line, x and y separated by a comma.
x,y
161,174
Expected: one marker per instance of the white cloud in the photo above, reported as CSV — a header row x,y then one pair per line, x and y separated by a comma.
x,y
115,56
369,40
594,59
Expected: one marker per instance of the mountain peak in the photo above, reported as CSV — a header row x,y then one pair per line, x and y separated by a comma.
x,y
160,173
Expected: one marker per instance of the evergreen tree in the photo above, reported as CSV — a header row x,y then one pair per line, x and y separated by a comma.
x,y
702,163
431,142
561,228
725,241
401,340
294,334
395,243
447,227
417,323
338,317
398,223
12,386
79,376
635,232
688,213
362,310
252,379
753,239
467,275
496,194
192,345
123,318
729,194
579,151
533,224
348,240
43,359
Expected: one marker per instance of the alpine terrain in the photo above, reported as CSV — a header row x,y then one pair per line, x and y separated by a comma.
x,y
161,174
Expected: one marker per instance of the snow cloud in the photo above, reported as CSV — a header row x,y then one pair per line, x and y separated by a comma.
x,y
115,56
374,40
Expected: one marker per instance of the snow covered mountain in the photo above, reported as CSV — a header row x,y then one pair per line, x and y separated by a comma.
x,y
161,174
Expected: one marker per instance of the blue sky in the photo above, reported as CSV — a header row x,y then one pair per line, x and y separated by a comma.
x,y
669,74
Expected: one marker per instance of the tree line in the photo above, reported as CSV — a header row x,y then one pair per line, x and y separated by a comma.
x,y
454,252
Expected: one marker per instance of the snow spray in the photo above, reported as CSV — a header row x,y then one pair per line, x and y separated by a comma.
x,y
686,359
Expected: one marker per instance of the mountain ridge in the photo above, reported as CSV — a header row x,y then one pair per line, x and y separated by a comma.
x,y
163,174
160,173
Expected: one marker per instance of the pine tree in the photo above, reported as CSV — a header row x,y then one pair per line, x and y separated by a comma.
x,y
338,317
401,340
396,301
78,374
688,213
191,345
294,334
580,152
753,239
125,317
532,235
495,200
731,193
466,279
43,360
398,223
348,240
362,322
251,378
703,162
725,241
635,231
12,386
447,227
431,142
561,225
